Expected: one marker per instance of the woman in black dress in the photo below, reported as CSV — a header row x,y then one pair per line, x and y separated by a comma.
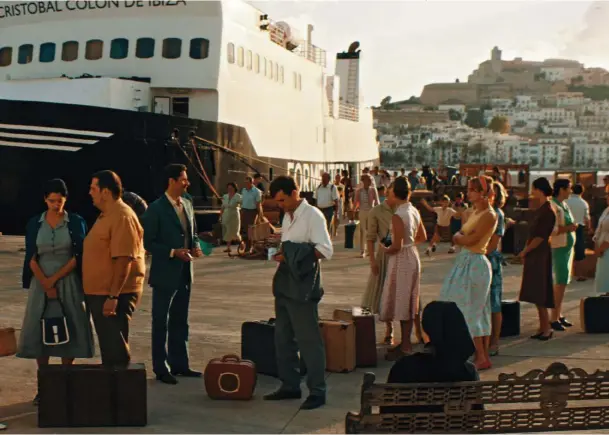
x,y
537,281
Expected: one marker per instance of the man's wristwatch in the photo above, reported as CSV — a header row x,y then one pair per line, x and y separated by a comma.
x,y
112,298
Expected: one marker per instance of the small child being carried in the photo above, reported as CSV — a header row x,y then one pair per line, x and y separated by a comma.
x,y
444,215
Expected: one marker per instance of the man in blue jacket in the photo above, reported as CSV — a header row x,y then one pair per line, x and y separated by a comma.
x,y
170,235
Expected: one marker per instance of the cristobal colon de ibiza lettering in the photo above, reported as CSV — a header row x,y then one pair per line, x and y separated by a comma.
x,y
37,8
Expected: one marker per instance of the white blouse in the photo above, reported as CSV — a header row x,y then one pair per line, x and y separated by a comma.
x,y
601,234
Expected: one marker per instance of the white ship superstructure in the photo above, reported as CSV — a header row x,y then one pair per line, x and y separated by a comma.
x,y
220,62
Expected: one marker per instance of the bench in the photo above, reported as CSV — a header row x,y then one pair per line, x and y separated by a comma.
x,y
557,399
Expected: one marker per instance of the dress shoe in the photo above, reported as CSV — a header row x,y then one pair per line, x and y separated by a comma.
x,y
167,378
283,395
564,322
546,337
187,373
313,402
557,326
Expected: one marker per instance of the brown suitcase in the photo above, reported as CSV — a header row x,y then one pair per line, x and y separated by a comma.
x,y
339,339
231,378
365,334
8,342
86,395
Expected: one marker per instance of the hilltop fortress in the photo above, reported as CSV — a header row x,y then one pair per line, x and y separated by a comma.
x,y
498,78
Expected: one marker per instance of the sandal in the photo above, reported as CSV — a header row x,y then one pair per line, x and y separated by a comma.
x,y
388,340
493,352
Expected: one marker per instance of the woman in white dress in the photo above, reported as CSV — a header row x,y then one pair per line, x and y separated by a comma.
x,y
401,290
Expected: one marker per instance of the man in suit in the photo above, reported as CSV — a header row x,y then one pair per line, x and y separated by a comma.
x,y
170,235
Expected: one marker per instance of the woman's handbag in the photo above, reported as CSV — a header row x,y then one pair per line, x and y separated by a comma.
x,y
54,329
387,241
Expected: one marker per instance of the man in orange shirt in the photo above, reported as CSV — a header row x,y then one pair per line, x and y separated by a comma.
x,y
113,267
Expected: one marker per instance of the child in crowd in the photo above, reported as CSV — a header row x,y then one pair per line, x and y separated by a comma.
x,y
460,206
444,215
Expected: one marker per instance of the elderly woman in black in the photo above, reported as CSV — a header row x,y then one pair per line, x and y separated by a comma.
x,y
51,272
445,358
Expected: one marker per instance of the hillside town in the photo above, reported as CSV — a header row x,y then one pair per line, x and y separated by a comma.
x,y
550,114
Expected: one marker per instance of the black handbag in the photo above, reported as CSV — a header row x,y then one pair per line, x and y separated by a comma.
x,y
54,329
387,241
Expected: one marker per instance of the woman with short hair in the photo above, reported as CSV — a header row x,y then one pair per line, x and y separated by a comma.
x,y
231,216
537,280
52,273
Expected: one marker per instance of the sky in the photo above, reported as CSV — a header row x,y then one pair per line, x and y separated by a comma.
x,y
407,44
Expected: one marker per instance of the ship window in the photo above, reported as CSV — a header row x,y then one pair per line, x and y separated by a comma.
x,y
295,77
180,106
199,48
257,64
299,82
276,72
248,60
144,48
26,54
270,69
119,48
94,49
230,52
6,56
240,56
69,51
264,65
172,48
281,74
47,52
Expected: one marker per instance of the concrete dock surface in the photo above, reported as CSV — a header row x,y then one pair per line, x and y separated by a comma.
x,y
228,292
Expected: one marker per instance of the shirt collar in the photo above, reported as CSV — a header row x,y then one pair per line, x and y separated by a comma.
x,y
66,217
171,200
112,208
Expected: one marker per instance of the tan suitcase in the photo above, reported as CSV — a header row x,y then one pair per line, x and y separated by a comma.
x,y
339,339
8,342
365,334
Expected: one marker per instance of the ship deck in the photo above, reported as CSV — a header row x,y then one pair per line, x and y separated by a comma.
x,y
228,292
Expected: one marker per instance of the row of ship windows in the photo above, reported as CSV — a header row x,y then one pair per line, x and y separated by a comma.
x,y
253,62
94,49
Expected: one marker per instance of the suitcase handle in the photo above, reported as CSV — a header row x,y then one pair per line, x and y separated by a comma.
x,y
230,357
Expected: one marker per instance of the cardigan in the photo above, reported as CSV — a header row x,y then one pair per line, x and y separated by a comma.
x,y
78,230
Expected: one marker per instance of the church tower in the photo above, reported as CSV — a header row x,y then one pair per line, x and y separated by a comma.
x,y
496,54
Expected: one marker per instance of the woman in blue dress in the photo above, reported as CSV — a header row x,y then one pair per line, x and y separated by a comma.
x,y
51,272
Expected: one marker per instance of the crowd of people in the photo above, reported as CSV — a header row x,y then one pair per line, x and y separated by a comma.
x,y
77,274
475,283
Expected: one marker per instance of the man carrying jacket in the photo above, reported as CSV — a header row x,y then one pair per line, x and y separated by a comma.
x,y
297,289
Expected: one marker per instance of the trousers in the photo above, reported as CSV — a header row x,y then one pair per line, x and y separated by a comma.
x,y
113,331
170,326
297,328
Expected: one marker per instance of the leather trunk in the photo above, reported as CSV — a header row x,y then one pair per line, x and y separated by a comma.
x,y
230,378
258,346
593,314
365,334
8,342
339,339
92,396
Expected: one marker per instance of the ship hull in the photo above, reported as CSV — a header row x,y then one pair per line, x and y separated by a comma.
x,y
40,141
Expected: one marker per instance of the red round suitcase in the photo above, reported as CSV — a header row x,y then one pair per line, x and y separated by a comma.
x,y
230,378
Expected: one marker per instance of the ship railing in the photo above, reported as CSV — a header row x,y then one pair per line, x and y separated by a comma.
x,y
311,52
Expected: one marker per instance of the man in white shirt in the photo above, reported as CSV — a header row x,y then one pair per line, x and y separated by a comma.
x,y
580,210
326,196
297,319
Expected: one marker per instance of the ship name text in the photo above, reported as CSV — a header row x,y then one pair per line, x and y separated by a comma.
x,y
45,7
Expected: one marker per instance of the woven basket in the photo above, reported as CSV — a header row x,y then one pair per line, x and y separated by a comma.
x,y
8,342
